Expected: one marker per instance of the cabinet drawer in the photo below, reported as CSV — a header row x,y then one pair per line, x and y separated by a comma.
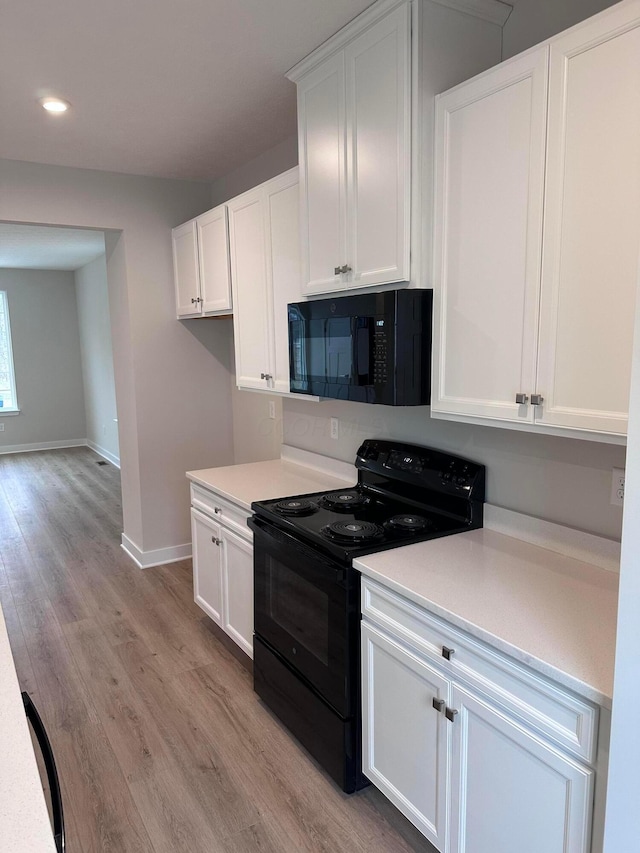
x,y
223,511
554,712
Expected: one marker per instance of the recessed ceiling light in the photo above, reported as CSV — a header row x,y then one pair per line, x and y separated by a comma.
x,y
55,105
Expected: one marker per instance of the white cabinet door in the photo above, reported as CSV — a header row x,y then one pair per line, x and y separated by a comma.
x,y
490,156
186,274
238,589
251,323
378,75
511,792
213,256
592,225
207,565
283,204
404,738
321,143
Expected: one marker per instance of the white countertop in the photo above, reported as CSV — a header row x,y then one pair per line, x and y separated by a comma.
x,y
260,481
24,819
549,611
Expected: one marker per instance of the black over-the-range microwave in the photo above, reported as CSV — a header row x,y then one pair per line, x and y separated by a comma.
x,y
369,348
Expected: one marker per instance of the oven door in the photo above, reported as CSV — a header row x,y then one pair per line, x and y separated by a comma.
x,y
305,605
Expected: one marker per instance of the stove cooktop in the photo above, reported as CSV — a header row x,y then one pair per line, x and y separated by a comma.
x,y
352,522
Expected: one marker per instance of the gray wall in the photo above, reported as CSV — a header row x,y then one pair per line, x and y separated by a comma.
x,y
564,480
533,21
46,353
92,298
172,378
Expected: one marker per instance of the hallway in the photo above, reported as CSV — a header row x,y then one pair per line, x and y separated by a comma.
x,y
160,742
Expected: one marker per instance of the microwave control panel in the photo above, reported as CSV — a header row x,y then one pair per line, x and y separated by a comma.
x,y
379,352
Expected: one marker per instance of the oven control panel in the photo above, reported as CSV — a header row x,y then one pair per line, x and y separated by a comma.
x,y
423,466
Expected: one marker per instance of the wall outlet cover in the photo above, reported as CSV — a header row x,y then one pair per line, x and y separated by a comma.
x,y
272,410
617,487
1,427
334,428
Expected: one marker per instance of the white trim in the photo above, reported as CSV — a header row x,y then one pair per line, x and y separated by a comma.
x,y
586,547
317,462
494,11
157,557
533,427
110,457
43,445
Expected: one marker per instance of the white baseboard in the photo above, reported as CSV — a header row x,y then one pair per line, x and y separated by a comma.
x,y
158,557
43,445
110,457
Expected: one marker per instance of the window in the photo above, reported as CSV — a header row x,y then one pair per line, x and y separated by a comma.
x,y
8,400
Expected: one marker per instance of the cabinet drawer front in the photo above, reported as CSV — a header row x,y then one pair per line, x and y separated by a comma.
x,y
223,511
559,715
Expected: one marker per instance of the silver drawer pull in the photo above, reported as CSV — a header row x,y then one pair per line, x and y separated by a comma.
x,y
521,399
451,714
537,399
438,704
217,510
216,541
448,653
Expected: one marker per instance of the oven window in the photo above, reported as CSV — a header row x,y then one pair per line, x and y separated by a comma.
x,y
300,609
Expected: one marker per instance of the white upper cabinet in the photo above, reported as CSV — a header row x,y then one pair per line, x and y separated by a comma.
x,y
265,264
323,185
186,272
365,128
213,258
201,265
354,120
489,194
592,225
536,239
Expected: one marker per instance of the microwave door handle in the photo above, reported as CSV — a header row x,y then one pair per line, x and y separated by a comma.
x,y
361,326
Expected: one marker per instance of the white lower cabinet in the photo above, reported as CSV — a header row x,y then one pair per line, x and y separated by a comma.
x,y
223,565
405,738
440,740
509,789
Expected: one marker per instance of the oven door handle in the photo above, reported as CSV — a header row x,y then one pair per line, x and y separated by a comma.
x,y
266,529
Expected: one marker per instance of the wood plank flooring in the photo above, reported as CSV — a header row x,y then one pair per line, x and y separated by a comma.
x,y
161,743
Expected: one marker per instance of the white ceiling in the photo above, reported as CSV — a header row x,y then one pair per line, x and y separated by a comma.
x,y
37,247
174,88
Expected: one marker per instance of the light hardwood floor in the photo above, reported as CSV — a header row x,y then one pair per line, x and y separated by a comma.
x,y
160,741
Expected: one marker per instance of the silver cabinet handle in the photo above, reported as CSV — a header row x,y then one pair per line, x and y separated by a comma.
x,y
216,541
217,510
340,270
448,653
337,270
537,399
438,704
451,714
521,399
266,376
194,301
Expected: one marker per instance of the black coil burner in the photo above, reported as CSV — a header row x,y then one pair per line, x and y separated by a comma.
x,y
345,501
352,531
295,506
409,523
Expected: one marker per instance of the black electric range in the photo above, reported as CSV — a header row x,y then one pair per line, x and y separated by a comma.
x,y
306,593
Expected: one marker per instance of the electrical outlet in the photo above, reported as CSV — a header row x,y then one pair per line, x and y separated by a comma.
x,y
272,410
334,428
617,487
1,427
